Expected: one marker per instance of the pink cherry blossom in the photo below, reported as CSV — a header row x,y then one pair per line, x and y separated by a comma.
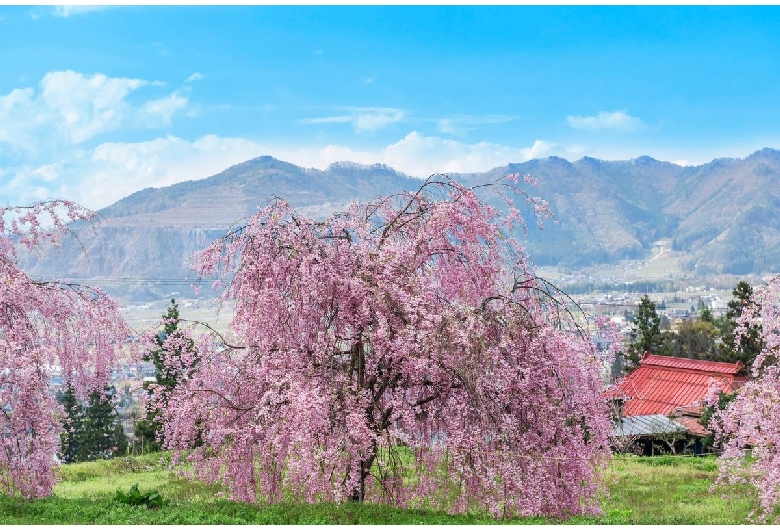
x,y
401,352
44,325
751,422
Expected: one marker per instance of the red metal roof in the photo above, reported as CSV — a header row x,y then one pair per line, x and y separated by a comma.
x,y
693,425
692,364
661,384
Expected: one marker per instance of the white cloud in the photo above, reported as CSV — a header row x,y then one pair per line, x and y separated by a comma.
x,y
18,117
458,125
53,142
32,183
447,126
421,155
329,119
70,108
197,76
87,106
160,111
48,133
372,119
116,170
618,120
364,118
100,176
48,173
69,11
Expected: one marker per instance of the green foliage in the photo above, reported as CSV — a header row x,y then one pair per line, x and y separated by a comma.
x,y
92,431
146,430
750,343
105,436
69,439
134,497
645,335
708,411
694,339
149,429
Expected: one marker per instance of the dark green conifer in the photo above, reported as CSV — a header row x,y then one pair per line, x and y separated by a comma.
x,y
150,429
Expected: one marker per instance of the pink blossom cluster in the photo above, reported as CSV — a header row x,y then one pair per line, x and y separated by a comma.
x,y
401,352
751,423
44,325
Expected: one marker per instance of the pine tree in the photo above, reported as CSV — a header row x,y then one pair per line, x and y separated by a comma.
x,y
93,431
149,429
69,439
750,344
646,335
104,436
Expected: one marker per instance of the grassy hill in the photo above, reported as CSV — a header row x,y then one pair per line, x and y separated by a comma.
x,y
660,490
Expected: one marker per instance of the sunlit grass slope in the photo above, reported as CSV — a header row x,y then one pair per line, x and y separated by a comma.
x,y
663,490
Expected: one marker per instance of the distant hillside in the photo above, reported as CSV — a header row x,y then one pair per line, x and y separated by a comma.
x,y
140,247
722,215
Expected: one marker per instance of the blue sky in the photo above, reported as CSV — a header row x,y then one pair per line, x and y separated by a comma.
x,y
98,103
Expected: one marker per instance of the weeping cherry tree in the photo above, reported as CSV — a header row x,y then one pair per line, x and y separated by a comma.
x,y
751,421
44,325
402,352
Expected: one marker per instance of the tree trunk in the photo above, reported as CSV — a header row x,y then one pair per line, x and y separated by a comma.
x,y
359,493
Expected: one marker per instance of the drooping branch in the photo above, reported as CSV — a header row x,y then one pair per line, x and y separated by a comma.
x,y
392,323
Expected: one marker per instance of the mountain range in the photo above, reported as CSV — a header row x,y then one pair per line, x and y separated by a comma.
x,y
723,215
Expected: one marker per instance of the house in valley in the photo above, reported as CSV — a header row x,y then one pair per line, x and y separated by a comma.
x,y
660,403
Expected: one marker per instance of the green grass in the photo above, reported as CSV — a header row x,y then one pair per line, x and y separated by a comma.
x,y
670,490
58,510
660,490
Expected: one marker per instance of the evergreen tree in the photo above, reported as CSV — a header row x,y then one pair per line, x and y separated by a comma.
x,y
750,344
646,335
700,305
103,435
149,429
92,431
74,412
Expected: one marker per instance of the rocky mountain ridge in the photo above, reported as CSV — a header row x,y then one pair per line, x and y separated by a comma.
x,y
723,215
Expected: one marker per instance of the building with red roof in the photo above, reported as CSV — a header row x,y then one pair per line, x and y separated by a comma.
x,y
670,387
661,385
